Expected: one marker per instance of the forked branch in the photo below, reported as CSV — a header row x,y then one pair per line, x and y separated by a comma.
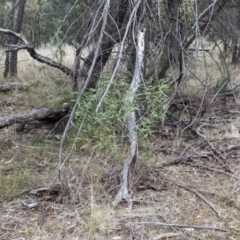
x,y
31,50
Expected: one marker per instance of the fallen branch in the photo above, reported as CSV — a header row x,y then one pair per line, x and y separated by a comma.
x,y
182,226
232,147
10,87
166,236
217,153
201,197
181,159
213,170
29,47
46,114
210,144
197,194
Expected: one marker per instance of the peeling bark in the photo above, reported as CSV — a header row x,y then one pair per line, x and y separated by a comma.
x,y
129,164
40,114
11,87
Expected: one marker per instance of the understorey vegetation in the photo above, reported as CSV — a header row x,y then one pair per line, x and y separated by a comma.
x,y
119,119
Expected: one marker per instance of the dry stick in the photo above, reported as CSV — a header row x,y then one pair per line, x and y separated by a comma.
x,y
210,144
9,87
218,153
201,197
182,226
88,79
175,229
198,194
33,53
131,123
166,236
177,160
183,160
213,169
232,147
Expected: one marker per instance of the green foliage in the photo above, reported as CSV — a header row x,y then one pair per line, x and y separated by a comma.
x,y
187,11
55,21
60,20
153,107
100,130
103,130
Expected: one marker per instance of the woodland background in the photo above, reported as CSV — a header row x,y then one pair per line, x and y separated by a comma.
x,y
119,119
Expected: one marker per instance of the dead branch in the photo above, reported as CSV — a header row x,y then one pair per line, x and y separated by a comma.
x,y
214,12
181,159
201,197
210,144
231,147
182,226
213,170
47,114
217,153
166,236
29,47
128,167
9,87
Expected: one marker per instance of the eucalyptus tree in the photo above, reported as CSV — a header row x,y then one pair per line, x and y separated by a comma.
x,y
14,23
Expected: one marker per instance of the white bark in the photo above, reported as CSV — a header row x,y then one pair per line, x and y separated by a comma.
x,y
131,122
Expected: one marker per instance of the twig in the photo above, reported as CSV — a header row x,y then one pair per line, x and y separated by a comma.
x,y
31,50
166,236
183,226
230,90
213,169
210,144
232,147
201,197
218,153
177,160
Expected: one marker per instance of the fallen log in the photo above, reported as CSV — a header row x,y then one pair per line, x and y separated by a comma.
x,y
45,115
11,87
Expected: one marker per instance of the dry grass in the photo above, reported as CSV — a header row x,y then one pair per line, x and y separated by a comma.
x,y
31,160
204,71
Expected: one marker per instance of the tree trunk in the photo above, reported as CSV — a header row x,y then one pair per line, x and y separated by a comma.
x,y
175,39
235,54
129,164
220,4
107,44
14,41
9,24
45,115
6,65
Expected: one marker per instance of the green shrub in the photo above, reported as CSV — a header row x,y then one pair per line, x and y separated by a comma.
x,y
103,130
